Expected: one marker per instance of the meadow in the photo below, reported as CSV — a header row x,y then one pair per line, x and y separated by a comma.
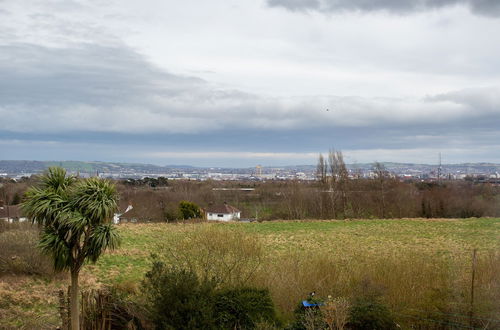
x,y
375,238
421,268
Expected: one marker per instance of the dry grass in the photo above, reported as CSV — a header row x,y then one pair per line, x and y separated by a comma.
x,y
19,253
421,267
31,302
27,303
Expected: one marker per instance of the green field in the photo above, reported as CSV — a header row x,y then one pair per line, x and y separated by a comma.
x,y
421,267
455,238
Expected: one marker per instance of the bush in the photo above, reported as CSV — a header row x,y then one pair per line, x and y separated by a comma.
x,y
19,253
178,299
189,210
308,318
243,308
171,214
369,313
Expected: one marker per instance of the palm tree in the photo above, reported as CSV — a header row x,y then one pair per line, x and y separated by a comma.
x,y
75,216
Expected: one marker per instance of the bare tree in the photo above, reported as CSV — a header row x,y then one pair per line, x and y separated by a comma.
x,y
381,175
339,180
321,169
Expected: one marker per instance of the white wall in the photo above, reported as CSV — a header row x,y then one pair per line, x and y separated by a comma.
x,y
223,217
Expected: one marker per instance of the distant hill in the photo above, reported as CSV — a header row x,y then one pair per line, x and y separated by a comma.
x,y
391,166
28,167
32,167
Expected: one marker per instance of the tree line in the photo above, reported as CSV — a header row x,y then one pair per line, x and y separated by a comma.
x,y
335,194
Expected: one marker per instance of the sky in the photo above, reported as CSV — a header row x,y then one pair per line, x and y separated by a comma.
x,y
236,83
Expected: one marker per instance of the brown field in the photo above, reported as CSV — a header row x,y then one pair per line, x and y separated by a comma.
x,y
422,268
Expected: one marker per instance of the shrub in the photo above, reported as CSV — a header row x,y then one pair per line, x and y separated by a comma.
x,y
171,214
369,313
306,318
178,299
243,308
189,210
336,312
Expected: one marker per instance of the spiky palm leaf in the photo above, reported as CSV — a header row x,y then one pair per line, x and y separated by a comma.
x,y
95,199
75,215
56,246
102,237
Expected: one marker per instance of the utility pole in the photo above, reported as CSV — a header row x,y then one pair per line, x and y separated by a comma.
x,y
471,312
439,169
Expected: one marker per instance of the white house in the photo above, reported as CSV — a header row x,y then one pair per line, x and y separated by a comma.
x,y
223,212
117,217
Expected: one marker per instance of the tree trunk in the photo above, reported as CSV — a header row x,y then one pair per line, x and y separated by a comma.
x,y
74,305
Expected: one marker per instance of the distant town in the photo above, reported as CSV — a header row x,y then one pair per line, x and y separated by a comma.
x,y
17,169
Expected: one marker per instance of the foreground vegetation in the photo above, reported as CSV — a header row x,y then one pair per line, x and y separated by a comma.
x,y
420,269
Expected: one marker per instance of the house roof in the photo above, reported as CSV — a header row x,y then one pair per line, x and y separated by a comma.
x,y
224,208
132,214
11,211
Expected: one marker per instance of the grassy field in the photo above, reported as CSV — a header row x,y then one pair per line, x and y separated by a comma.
x,y
453,238
422,267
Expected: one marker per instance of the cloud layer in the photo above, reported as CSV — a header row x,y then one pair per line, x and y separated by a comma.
x,y
481,7
114,89
168,83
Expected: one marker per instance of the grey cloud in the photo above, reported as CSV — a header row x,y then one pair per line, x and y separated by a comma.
x,y
113,89
485,100
482,7
86,74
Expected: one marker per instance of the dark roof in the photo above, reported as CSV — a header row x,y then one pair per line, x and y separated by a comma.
x,y
132,214
11,211
224,208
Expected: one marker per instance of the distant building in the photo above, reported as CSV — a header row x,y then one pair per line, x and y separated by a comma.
x,y
125,216
223,212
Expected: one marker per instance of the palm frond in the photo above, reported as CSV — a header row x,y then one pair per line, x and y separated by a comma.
x,y
103,237
42,206
56,180
53,244
75,215
73,223
96,199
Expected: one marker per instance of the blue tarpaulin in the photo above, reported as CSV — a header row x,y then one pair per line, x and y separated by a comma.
x,y
306,303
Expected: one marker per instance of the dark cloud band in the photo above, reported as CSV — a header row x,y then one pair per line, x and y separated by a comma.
x,y
481,7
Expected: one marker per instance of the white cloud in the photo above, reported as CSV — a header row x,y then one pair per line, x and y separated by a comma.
x,y
125,68
114,89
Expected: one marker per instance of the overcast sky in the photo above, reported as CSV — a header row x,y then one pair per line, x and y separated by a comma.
x,y
243,82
